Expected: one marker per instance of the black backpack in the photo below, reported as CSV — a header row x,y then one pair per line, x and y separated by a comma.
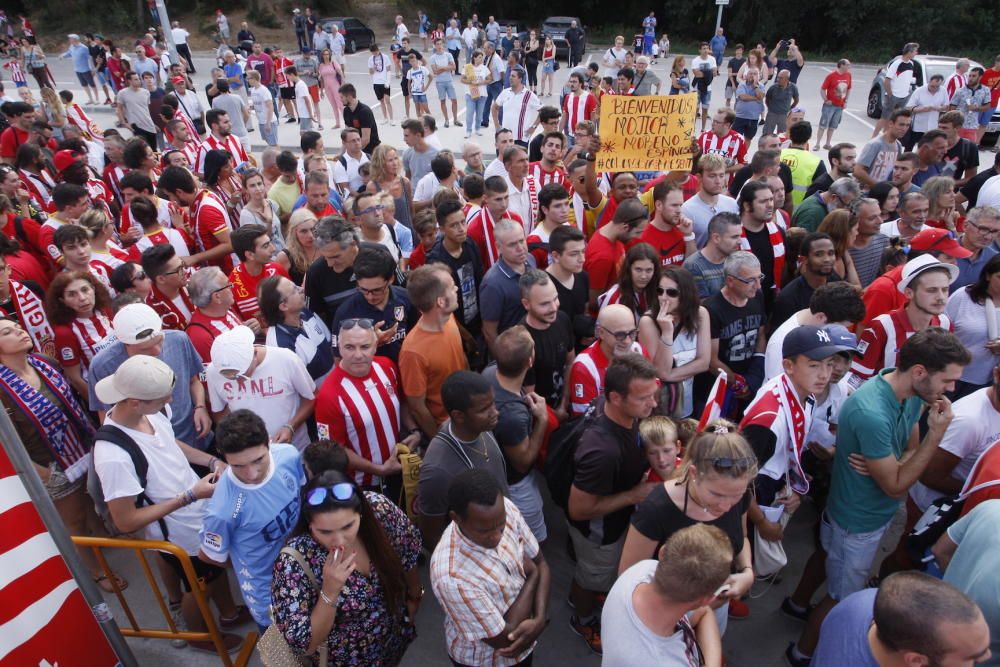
x,y
560,466
118,437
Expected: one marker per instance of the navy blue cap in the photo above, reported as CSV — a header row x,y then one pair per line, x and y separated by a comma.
x,y
811,341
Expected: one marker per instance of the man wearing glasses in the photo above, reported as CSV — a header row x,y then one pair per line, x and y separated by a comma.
x,y
269,381
617,335
139,330
212,296
169,296
736,314
377,300
982,226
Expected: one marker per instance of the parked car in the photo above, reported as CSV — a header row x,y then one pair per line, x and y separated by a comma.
x,y
926,66
356,34
556,27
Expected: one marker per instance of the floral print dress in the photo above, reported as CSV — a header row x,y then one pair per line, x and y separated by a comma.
x,y
364,633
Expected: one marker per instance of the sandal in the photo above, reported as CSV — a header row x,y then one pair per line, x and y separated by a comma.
x,y
242,616
105,584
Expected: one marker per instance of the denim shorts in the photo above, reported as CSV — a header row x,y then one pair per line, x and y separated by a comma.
x,y
704,98
420,98
830,115
86,79
849,556
446,89
985,117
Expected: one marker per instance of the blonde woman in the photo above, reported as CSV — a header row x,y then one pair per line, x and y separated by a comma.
x,y
713,487
387,176
843,229
680,79
944,212
55,112
300,245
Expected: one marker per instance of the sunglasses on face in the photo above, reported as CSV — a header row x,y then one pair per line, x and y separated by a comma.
x,y
622,336
342,491
672,292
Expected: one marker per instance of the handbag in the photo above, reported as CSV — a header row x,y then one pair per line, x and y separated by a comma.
x,y
769,558
273,647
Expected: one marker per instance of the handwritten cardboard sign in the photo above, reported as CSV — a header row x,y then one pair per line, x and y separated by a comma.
x,y
648,133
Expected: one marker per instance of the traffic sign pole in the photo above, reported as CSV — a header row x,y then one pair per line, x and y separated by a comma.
x,y
718,18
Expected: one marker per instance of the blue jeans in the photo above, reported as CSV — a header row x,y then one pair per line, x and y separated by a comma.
x,y
269,132
492,92
475,110
273,89
746,126
849,556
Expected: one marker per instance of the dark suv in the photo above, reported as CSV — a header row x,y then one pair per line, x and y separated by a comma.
x,y
556,27
356,34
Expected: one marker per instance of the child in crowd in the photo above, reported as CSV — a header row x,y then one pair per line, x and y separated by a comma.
x,y
663,447
425,227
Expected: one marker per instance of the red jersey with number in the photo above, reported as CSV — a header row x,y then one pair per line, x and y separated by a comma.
x,y
361,412
245,287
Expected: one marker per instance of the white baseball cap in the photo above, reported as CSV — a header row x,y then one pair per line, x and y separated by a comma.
x,y
137,323
233,350
143,377
915,267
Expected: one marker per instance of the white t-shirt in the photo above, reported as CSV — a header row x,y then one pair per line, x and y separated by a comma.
x,y
974,427
826,415
627,641
302,98
260,98
890,228
698,63
772,353
900,81
378,65
180,35
426,187
614,58
417,76
274,391
925,121
169,475
349,173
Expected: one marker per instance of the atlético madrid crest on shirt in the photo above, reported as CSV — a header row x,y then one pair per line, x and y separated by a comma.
x,y
400,313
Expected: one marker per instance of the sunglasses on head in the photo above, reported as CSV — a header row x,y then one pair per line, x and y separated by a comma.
x,y
728,463
362,322
342,491
672,292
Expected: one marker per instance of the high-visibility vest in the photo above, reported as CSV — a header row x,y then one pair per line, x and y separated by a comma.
x,y
803,166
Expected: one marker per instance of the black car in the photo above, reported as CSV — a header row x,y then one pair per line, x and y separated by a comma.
x,y
556,27
356,34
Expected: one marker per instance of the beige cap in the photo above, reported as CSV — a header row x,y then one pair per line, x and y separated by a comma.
x,y
143,377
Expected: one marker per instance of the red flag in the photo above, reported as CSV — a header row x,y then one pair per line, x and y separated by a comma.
x,y
716,401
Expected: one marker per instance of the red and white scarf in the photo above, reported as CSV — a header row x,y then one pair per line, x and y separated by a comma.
x,y
39,186
796,419
777,240
171,316
31,314
79,118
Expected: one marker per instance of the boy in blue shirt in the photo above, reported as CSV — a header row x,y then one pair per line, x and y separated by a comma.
x,y
254,508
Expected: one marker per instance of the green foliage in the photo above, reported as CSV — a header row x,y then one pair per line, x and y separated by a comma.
x,y
263,17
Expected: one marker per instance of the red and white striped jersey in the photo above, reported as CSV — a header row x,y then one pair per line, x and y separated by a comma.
x,y
543,177
481,231
577,108
80,340
879,345
102,271
210,217
955,83
174,237
162,215
230,143
100,196
16,72
361,412
732,146
113,175
202,330
39,186
586,376
245,287
612,296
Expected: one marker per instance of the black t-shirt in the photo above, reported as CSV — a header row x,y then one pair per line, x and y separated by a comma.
x,y
793,67
210,96
360,118
822,183
734,67
404,58
609,459
535,148
760,245
961,156
551,347
573,301
657,518
743,175
467,272
326,289
513,423
736,329
971,189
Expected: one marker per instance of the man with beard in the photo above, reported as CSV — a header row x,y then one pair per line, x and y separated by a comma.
x,y
816,261
879,423
870,243
552,332
842,158
763,237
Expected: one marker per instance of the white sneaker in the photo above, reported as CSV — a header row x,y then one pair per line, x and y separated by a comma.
x,y
178,617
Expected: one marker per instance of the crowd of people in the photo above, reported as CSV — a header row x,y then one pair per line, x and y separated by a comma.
x,y
244,353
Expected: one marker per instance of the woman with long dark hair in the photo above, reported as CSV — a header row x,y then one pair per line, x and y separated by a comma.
x,y
887,196
362,551
637,281
677,316
975,314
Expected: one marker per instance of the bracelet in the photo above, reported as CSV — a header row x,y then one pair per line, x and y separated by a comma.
x,y
200,407
326,598
670,344
188,497
689,238
289,427
748,567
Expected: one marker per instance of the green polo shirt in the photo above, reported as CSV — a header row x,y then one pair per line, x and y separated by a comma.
x,y
875,424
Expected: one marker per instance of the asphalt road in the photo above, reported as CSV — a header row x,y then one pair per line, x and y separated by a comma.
x,y
755,642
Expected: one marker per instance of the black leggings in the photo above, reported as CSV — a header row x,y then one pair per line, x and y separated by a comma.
x,y
532,74
148,137
454,54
